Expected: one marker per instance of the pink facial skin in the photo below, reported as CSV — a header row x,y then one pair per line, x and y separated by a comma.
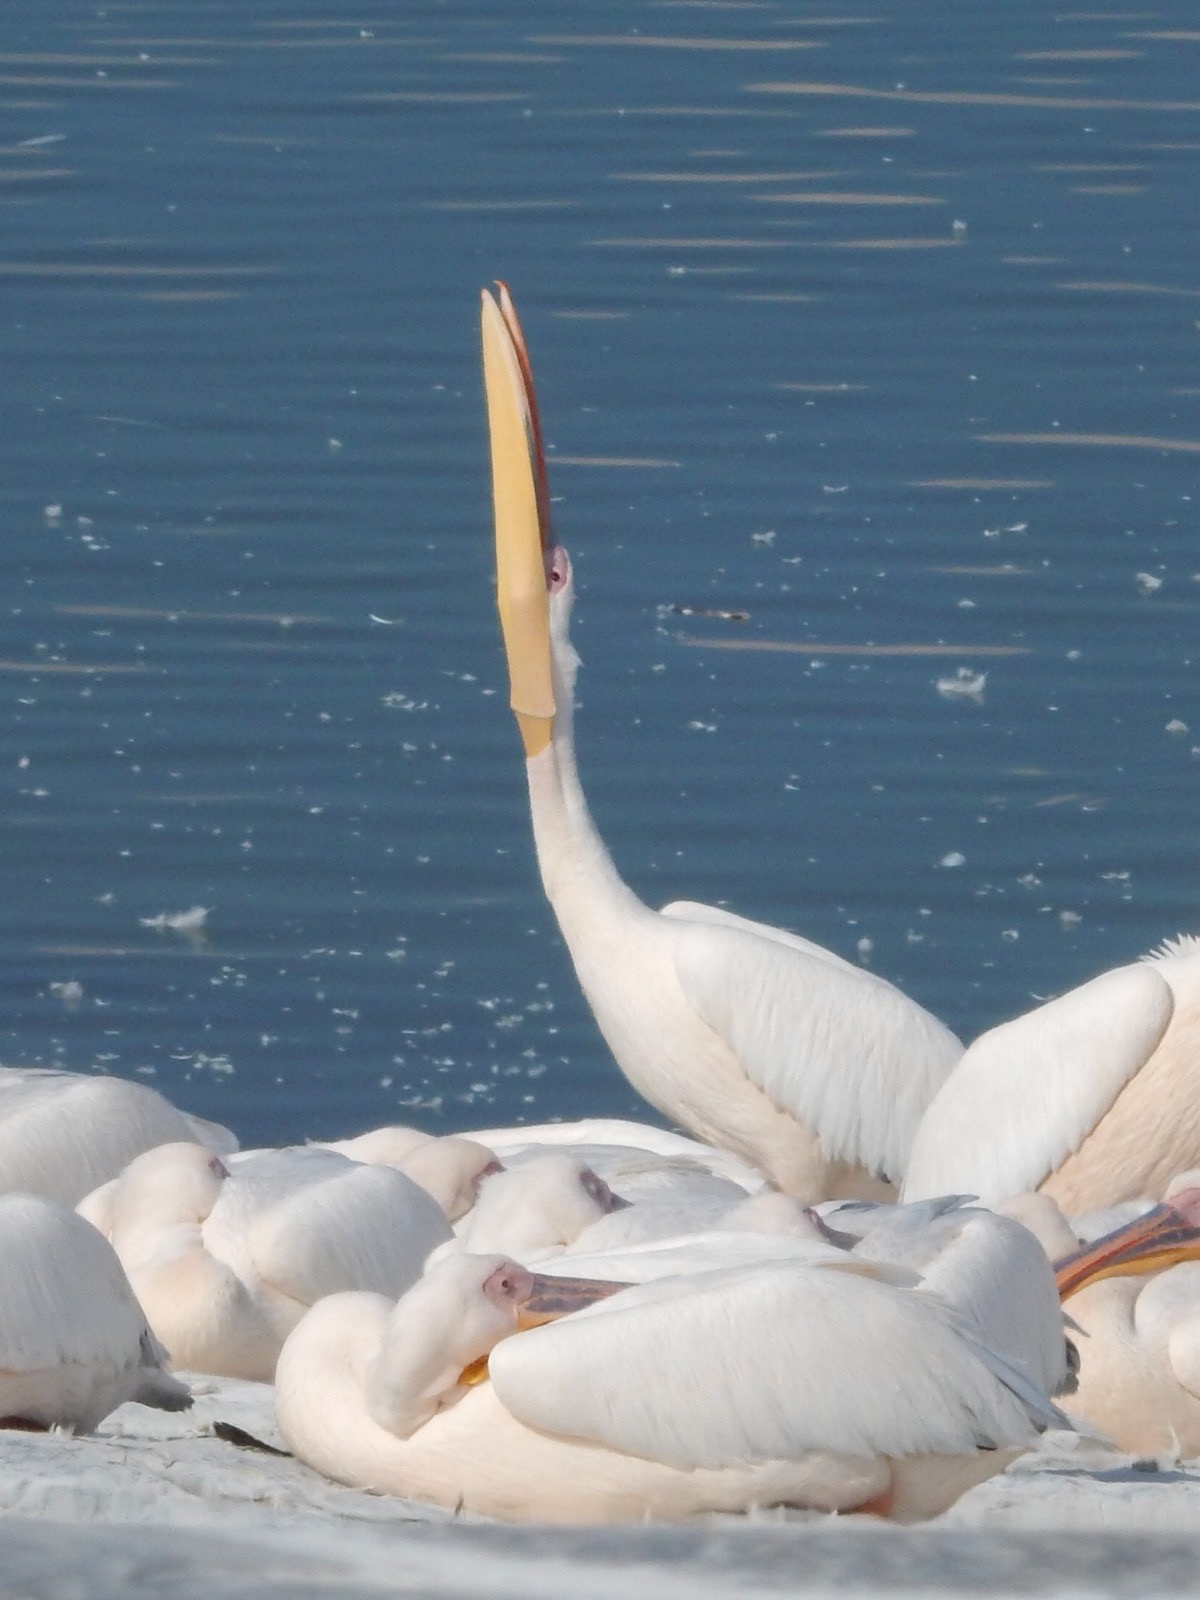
x,y
509,1286
558,568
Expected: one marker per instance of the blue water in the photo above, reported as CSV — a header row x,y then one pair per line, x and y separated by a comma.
x,y
250,660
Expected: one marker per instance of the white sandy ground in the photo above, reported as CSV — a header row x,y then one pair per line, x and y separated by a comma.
x,y
154,1506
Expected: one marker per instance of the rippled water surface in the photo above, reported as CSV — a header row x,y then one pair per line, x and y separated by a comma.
x,y
867,343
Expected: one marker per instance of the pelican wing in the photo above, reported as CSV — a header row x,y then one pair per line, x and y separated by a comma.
x,y
706,1251
841,1049
696,911
62,1134
618,1135
367,1228
647,1220
63,1296
1027,1093
760,1363
990,1268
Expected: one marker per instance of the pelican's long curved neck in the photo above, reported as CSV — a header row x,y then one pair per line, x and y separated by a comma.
x,y
574,863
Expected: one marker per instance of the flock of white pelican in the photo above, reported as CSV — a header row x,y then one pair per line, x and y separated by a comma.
x,y
841,1288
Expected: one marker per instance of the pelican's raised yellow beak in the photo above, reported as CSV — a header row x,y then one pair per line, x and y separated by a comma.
x,y
520,505
551,1298
1162,1237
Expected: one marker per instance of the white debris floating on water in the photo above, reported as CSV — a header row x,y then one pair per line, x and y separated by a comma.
x,y
189,921
964,685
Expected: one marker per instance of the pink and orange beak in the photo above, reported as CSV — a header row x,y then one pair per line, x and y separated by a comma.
x,y
550,1299
1161,1238
558,1297
521,507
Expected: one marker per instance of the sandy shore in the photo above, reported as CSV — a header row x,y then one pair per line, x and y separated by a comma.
x,y
156,1505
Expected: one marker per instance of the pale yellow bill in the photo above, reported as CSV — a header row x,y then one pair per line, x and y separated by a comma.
x,y
520,569
512,322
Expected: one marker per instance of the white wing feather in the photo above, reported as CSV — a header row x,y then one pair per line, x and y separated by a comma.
x,y
62,1134
368,1228
1027,1093
988,1267
841,1049
687,1254
620,1136
759,1364
63,1296
649,1220
718,917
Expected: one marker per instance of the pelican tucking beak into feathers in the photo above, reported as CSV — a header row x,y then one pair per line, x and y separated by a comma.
x,y
791,1382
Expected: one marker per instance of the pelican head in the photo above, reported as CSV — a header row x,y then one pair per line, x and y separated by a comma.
x,y
442,1330
173,1183
542,1204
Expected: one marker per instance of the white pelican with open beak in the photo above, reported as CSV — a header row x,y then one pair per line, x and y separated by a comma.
x,y
752,1038
780,1383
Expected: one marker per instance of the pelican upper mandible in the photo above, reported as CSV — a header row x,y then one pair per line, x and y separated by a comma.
x,y
752,1038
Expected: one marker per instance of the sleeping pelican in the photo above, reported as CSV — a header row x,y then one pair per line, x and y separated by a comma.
x,y
646,1166
226,1265
64,1133
450,1168
1093,1098
543,1204
776,1384
813,1070
74,1343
